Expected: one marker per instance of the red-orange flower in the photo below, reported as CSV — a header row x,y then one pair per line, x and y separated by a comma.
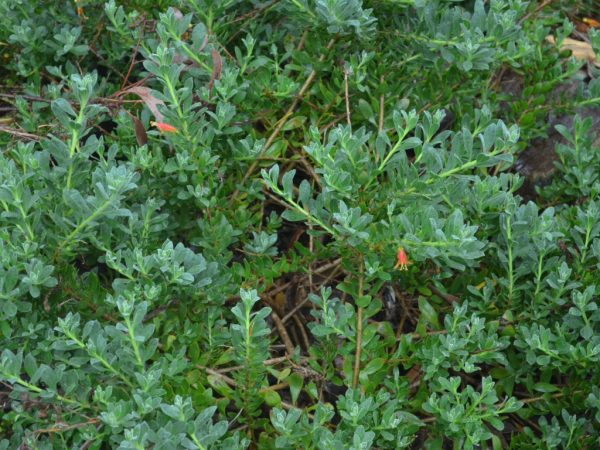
x,y
592,23
403,261
164,127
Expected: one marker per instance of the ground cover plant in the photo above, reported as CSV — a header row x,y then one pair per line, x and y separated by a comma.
x,y
299,224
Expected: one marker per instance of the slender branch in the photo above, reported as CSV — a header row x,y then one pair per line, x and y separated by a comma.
x,y
381,107
67,241
231,382
252,14
347,97
282,121
266,362
548,397
61,427
19,133
294,310
289,346
359,329
535,11
303,333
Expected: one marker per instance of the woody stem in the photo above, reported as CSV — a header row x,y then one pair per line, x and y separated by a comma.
x,y
359,330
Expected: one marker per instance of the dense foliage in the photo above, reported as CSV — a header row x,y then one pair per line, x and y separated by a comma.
x,y
295,224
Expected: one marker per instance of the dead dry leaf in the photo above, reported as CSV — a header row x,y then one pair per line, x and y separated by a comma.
x,y
140,131
580,50
217,68
150,100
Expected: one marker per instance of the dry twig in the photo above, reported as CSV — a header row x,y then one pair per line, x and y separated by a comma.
x,y
281,122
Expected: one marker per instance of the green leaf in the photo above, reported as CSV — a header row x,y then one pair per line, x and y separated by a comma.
x,y
365,109
271,398
428,313
545,387
296,383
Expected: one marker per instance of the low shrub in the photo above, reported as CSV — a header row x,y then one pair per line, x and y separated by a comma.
x,y
296,224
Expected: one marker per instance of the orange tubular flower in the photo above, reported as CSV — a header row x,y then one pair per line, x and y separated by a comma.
x,y
403,261
592,23
164,127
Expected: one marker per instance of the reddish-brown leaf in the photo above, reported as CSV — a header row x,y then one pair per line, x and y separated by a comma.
x,y
217,68
140,131
150,100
